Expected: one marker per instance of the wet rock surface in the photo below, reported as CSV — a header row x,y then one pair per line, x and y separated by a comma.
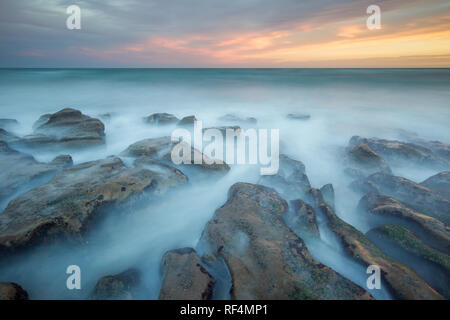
x,y
12,291
65,205
65,128
362,161
184,278
383,208
402,152
265,258
117,287
415,195
403,282
401,243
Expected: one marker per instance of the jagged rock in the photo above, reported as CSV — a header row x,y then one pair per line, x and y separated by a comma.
x,y
65,128
432,231
65,205
363,161
438,147
402,152
12,291
160,149
161,119
117,287
304,222
440,183
417,196
23,169
298,116
184,278
432,265
266,259
291,179
187,121
403,282
238,119
328,194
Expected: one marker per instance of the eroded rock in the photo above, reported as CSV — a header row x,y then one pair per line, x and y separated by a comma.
x,y
362,161
440,183
184,278
117,287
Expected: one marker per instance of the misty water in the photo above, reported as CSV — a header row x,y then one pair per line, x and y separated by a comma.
x,y
342,103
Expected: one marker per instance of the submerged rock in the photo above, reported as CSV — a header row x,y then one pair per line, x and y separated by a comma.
x,y
417,196
161,119
298,116
65,205
363,161
65,128
12,291
117,287
384,208
403,282
184,278
23,169
402,152
440,183
187,121
266,259
238,119
434,266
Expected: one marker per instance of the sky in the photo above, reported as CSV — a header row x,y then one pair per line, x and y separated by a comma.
x,y
225,33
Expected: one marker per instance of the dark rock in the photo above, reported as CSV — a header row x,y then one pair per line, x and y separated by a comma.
x,y
237,119
402,152
363,161
23,169
417,196
65,205
431,230
266,259
403,282
65,128
63,161
187,121
117,287
6,136
184,278
12,291
440,183
298,116
161,119
432,265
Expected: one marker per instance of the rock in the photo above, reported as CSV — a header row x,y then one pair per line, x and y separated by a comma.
x,y
63,161
170,173
438,147
65,128
328,194
161,119
417,196
266,259
298,116
6,136
117,287
12,291
238,119
440,183
65,205
9,124
386,209
184,278
187,121
23,170
402,152
432,265
363,161
304,221
403,282
291,179
223,129
160,149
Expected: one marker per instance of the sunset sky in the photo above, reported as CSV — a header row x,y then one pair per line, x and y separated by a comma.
x,y
224,33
